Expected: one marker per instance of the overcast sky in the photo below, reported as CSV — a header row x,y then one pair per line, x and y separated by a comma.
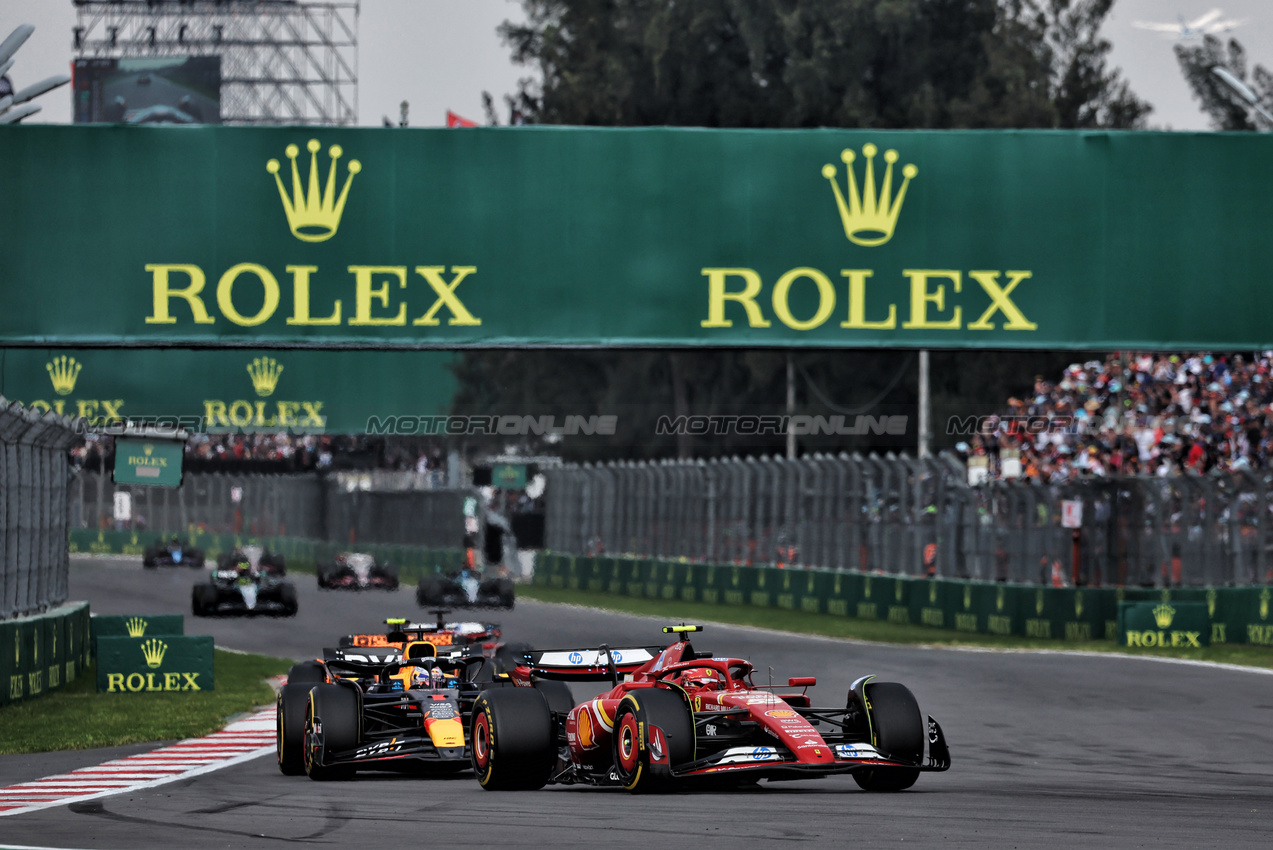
x,y
441,54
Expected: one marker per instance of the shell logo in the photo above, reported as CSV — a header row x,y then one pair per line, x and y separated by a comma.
x,y
586,736
780,712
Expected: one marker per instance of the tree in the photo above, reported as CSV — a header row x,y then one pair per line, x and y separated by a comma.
x,y
1222,104
790,64
808,63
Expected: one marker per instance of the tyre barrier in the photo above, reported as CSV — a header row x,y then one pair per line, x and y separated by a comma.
x,y
1221,615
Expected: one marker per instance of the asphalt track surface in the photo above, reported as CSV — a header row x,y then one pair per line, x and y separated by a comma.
x,y
1049,750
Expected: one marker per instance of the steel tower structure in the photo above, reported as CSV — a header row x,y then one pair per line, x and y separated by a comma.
x,y
282,61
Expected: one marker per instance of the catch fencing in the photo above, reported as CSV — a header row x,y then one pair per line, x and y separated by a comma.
x,y
33,509
908,517
338,508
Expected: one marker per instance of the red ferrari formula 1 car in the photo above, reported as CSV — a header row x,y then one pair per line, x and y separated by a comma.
x,y
676,716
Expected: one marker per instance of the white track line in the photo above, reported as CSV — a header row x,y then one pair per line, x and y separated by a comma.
x,y
243,740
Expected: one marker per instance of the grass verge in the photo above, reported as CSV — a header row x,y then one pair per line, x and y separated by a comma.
x,y
77,717
870,630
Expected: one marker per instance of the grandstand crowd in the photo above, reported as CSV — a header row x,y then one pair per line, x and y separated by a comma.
x,y
1137,414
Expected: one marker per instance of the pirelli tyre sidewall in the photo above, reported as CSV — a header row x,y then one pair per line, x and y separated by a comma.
x,y
634,759
512,739
289,745
897,730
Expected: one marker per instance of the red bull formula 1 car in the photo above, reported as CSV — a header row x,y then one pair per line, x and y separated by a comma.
x,y
372,708
676,717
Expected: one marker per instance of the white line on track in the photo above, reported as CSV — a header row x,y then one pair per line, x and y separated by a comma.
x,y
243,740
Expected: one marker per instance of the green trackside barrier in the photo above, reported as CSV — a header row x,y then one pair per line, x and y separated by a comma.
x,y
43,652
1179,625
840,594
1236,614
153,664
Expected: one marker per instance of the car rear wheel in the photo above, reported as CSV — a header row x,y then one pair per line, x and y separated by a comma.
x,y
897,730
306,672
287,597
513,739
429,592
293,702
203,600
653,730
331,726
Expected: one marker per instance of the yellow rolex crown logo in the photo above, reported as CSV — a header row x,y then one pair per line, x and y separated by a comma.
x,y
869,216
63,371
1038,603
1163,615
264,372
313,215
1078,603
967,597
1264,604
154,650
1211,602
999,598
136,626
149,450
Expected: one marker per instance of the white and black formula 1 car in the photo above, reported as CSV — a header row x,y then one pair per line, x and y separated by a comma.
x,y
172,553
373,708
356,571
245,583
465,588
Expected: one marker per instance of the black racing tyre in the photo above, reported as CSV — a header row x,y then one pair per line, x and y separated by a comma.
x,y
504,589
331,725
287,598
513,739
324,576
273,563
289,740
639,750
306,672
194,558
390,573
429,592
558,694
203,600
897,730
148,559
509,656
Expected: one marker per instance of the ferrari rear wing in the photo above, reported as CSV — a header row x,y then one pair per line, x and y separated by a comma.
x,y
588,665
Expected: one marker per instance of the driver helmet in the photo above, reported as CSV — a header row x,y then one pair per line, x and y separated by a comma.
x,y
438,678
699,677
420,677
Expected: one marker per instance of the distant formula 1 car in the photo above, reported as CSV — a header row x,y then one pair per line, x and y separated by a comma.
x,y
356,571
676,717
371,709
464,588
175,553
242,584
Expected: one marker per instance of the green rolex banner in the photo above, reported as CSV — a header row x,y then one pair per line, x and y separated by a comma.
x,y
134,625
163,663
42,653
286,237
1178,625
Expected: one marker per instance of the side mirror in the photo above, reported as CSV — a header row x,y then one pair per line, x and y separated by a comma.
x,y
802,682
